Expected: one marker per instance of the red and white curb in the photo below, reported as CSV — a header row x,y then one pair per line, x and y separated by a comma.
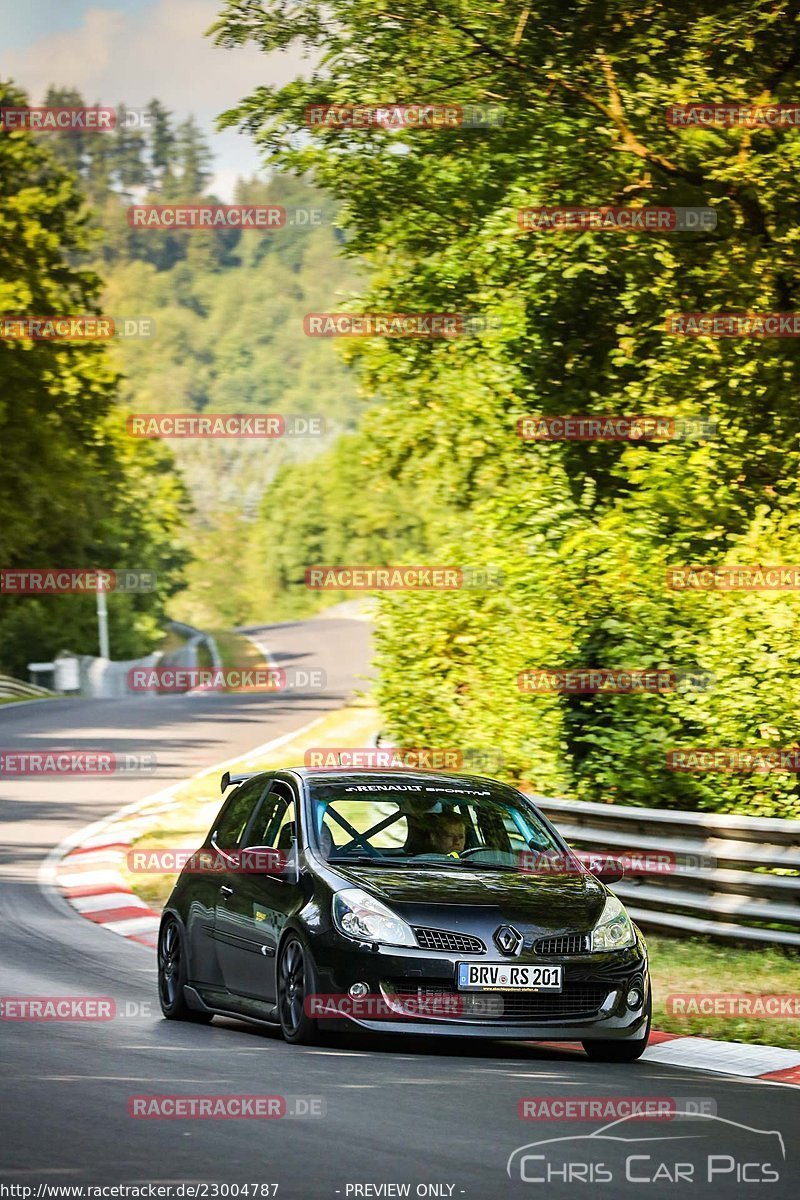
x,y
89,878
774,1063
85,870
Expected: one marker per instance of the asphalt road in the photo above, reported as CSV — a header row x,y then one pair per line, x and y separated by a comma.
x,y
438,1116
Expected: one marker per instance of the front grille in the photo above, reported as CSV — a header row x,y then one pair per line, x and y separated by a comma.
x,y
451,943
568,943
580,1000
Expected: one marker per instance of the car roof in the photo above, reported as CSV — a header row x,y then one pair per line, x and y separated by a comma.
x,y
315,774
362,774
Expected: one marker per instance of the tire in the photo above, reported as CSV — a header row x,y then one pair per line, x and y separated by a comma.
x,y
296,981
619,1049
172,975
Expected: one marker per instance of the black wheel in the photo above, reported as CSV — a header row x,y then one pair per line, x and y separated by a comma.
x,y
172,975
618,1049
296,982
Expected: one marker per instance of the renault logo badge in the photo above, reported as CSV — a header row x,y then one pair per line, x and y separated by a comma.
x,y
508,939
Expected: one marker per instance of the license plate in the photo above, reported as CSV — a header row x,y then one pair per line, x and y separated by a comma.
x,y
495,977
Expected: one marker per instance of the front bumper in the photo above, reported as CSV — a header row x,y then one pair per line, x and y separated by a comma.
x,y
593,1002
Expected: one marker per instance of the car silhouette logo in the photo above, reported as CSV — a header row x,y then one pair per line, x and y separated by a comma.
x,y
508,939
704,1133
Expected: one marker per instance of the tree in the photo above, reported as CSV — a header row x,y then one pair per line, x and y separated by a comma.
x,y
68,146
582,91
74,491
161,144
127,155
194,158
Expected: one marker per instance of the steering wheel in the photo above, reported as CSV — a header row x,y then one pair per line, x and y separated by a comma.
x,y
476,850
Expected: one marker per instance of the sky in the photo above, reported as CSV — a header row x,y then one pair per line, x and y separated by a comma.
x,y
129,51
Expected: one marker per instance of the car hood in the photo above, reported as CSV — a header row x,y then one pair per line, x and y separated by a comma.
x,y
432,896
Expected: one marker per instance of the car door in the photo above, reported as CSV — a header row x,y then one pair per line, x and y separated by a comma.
x,y
226,840
253,905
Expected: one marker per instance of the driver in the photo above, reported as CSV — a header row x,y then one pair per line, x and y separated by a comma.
x,y
440,833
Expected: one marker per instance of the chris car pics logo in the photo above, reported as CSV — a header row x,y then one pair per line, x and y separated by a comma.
x,y
693,1147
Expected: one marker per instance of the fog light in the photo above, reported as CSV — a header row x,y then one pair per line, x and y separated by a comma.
x,y
634,998
357,990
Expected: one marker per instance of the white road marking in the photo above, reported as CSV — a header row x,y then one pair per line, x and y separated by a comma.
x,y
341,1053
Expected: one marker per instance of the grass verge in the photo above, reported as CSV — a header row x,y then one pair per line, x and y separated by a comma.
x,y
696,965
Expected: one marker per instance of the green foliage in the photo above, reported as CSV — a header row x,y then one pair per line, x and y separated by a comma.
x,y
73,490
227,309
228,317
582,531
313,513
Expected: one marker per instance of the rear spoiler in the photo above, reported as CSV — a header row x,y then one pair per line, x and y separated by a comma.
x,y
228,779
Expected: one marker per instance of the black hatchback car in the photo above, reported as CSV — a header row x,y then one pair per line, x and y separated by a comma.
x,y
397,901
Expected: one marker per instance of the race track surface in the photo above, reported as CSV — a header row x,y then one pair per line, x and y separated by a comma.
x,y
439,1116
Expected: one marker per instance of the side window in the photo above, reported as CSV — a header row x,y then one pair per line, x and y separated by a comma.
x,y
235,816
514,836
274,824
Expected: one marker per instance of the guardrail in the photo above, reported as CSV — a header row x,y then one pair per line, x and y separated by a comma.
x,y
736,878
16,688
197,637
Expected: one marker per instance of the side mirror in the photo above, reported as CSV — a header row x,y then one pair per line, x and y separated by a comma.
x,y
266,860
607,870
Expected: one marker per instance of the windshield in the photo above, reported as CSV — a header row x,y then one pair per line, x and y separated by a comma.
x,y
391,821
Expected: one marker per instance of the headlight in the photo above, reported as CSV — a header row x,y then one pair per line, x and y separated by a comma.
x,y
614,930
359,915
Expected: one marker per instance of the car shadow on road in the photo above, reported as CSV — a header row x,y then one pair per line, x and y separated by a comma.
x,y
411,1044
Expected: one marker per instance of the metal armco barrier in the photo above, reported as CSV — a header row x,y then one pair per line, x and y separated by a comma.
x,y
194,638
740,878
16,688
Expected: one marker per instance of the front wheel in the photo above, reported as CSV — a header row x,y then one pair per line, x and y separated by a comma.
x,y
296,984
172,975
619,1049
